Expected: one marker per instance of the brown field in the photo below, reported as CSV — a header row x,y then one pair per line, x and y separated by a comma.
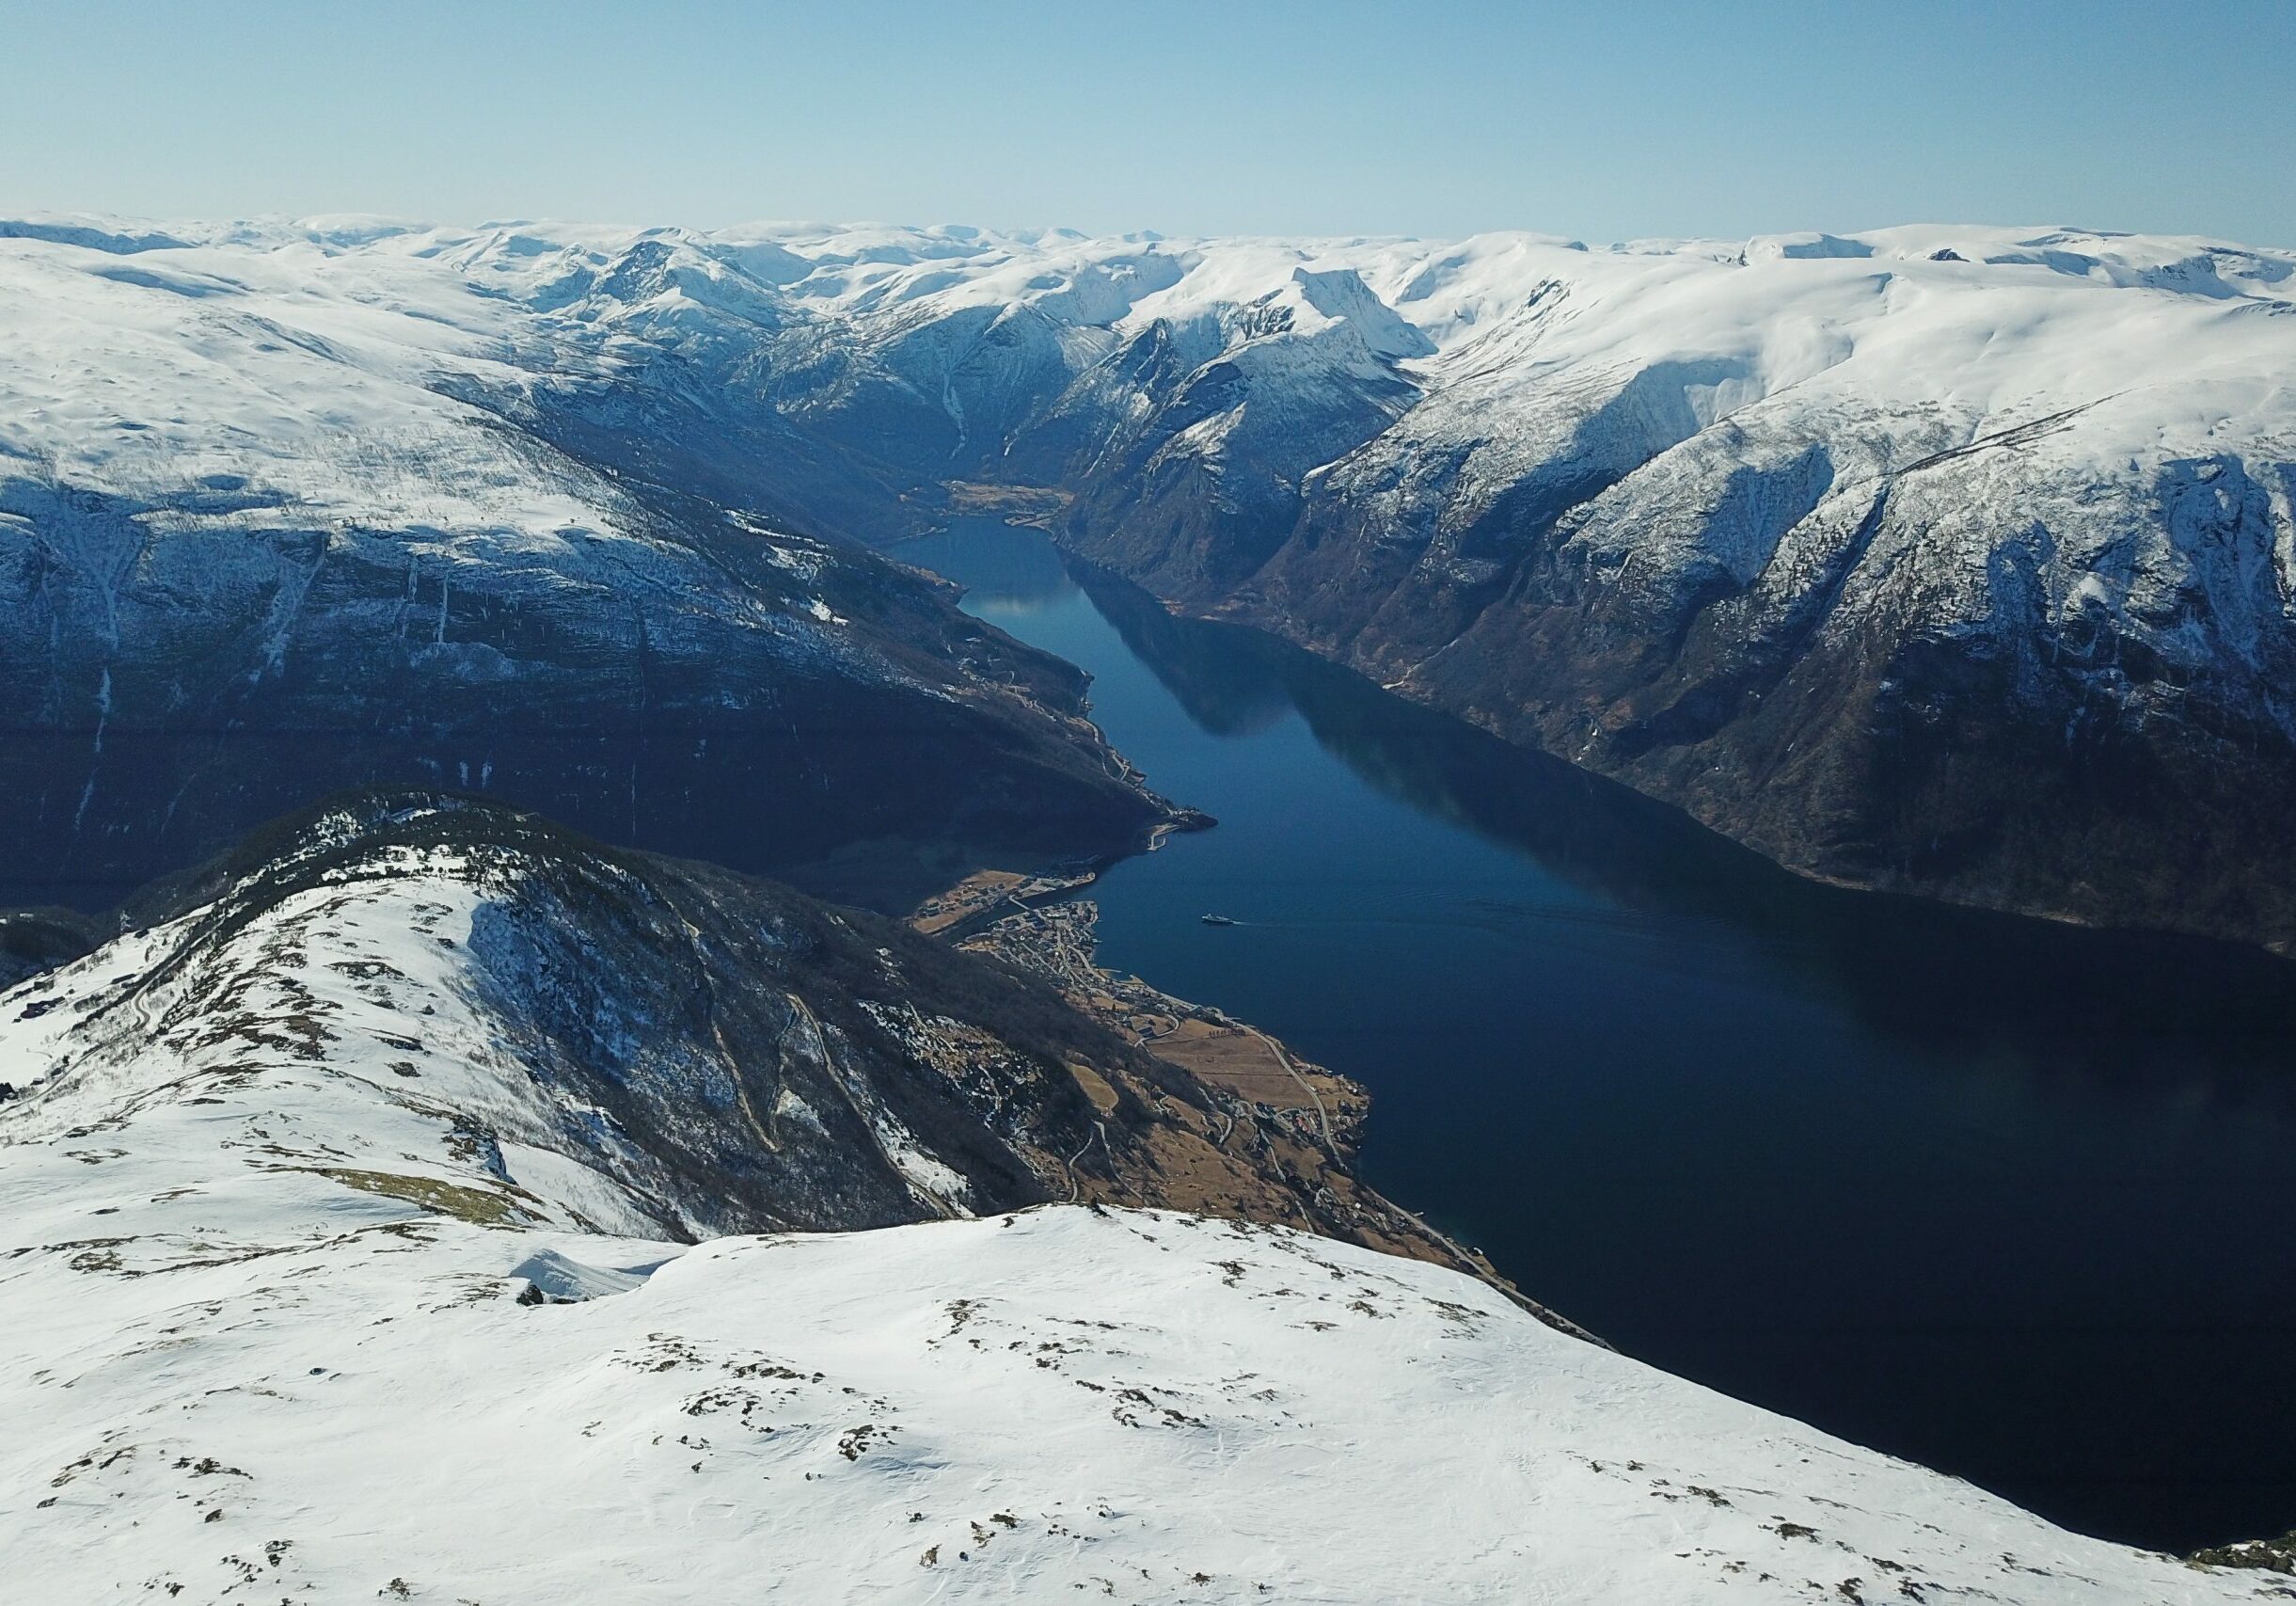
x,y
1237,1060
1021,504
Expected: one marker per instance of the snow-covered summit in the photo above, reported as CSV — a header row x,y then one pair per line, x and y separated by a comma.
x,y
310,1289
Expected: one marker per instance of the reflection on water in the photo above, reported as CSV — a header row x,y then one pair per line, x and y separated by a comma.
x,y
2009,1198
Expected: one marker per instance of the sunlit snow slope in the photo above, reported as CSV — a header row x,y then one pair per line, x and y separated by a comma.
x,y
322,1278
232,1377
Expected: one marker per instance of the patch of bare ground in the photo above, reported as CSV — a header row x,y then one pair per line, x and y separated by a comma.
x,y
1250,1064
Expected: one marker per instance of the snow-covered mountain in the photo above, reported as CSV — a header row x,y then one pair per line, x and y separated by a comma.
x,y
254,547
380,1226
1936,559
1953,559
638,1044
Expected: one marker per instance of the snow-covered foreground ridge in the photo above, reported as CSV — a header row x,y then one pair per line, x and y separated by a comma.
x,y
281,1321
1048,1407
1953,559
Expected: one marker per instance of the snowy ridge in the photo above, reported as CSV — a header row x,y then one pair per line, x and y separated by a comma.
x,y
285,1329
614,1043
340,977
638,1044
136,349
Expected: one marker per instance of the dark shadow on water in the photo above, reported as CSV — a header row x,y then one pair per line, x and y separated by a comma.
x,y
2009,1198
2110,997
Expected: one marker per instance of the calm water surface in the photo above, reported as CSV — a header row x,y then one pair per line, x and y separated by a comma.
x,y
2011,1200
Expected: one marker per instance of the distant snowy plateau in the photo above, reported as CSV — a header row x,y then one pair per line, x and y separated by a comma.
x,y
1953,560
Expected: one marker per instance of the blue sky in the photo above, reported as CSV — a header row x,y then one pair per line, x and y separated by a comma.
x,y
1602,121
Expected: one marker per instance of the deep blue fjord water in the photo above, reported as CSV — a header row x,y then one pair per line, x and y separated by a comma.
x,y
2012,1199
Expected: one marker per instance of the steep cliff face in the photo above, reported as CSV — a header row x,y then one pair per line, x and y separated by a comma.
x,y
1994,601
1883,677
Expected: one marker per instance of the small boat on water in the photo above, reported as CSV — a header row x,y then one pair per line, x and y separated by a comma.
x,y
1217,920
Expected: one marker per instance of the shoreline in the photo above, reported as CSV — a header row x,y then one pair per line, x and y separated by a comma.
x,y
1297,1117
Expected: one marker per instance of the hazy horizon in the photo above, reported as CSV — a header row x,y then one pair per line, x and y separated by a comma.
x,y
1638,120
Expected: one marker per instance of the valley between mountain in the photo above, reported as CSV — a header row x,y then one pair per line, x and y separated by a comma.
x,y
480,732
